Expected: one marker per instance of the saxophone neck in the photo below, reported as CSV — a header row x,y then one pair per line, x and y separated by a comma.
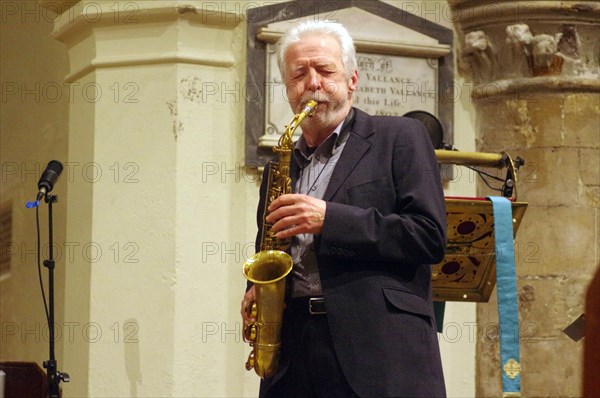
x,y
286,140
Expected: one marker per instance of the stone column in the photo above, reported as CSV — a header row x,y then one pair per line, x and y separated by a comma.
x,y
534,65
157,198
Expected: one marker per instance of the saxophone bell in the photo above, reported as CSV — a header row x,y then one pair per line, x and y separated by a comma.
x,y
267,270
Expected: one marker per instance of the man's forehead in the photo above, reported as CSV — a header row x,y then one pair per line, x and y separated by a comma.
x,y
321,60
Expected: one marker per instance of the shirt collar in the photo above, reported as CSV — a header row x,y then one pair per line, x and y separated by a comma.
x,y
303,153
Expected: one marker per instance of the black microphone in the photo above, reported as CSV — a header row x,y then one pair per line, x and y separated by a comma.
x,y
49,177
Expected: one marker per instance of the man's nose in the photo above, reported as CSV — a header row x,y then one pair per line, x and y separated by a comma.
x,y
315,81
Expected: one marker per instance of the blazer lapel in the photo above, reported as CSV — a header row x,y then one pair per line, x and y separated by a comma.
x,y
355,148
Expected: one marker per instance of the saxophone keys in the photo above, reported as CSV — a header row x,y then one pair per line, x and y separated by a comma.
x,y
251,361
250,309
250,333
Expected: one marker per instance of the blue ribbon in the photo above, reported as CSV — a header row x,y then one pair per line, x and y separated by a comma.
x,y
506,285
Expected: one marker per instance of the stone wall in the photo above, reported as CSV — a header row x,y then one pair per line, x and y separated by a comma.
x,y
537,95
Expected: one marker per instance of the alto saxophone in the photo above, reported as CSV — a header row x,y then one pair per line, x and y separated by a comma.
x,y
268,268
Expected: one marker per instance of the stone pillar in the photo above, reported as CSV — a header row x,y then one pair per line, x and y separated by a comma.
x,y
534,65
158,200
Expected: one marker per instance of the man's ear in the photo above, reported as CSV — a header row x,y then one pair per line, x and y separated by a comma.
x,y
353,81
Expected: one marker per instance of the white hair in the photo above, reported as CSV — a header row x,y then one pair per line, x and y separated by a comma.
x,y
320,28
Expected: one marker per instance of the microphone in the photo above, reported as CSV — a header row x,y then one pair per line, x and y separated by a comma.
x,y
48,178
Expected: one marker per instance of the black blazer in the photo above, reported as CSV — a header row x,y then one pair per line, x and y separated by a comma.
x,y
385,224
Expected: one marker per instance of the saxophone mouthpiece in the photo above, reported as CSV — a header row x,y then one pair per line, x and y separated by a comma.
x,y
310,107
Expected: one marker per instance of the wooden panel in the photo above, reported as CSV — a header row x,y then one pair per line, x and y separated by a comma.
x,y
24,379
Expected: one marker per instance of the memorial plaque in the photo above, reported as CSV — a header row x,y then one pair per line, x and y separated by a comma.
x,y
393,85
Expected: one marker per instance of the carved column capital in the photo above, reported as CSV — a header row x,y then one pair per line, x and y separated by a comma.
x,y
549,43
148,33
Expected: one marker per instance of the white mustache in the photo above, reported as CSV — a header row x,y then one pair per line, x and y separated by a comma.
x,y
319,97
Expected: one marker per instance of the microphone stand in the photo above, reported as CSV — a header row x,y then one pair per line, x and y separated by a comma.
x,y
54,377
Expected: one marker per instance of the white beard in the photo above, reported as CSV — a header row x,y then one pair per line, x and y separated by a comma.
x,y
327,113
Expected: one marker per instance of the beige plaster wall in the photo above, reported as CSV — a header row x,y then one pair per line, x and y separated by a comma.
x,y
33,130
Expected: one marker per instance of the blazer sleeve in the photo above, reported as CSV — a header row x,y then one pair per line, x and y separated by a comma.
x,y
414,232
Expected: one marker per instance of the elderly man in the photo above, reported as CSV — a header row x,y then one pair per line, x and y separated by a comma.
x,y
367,220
